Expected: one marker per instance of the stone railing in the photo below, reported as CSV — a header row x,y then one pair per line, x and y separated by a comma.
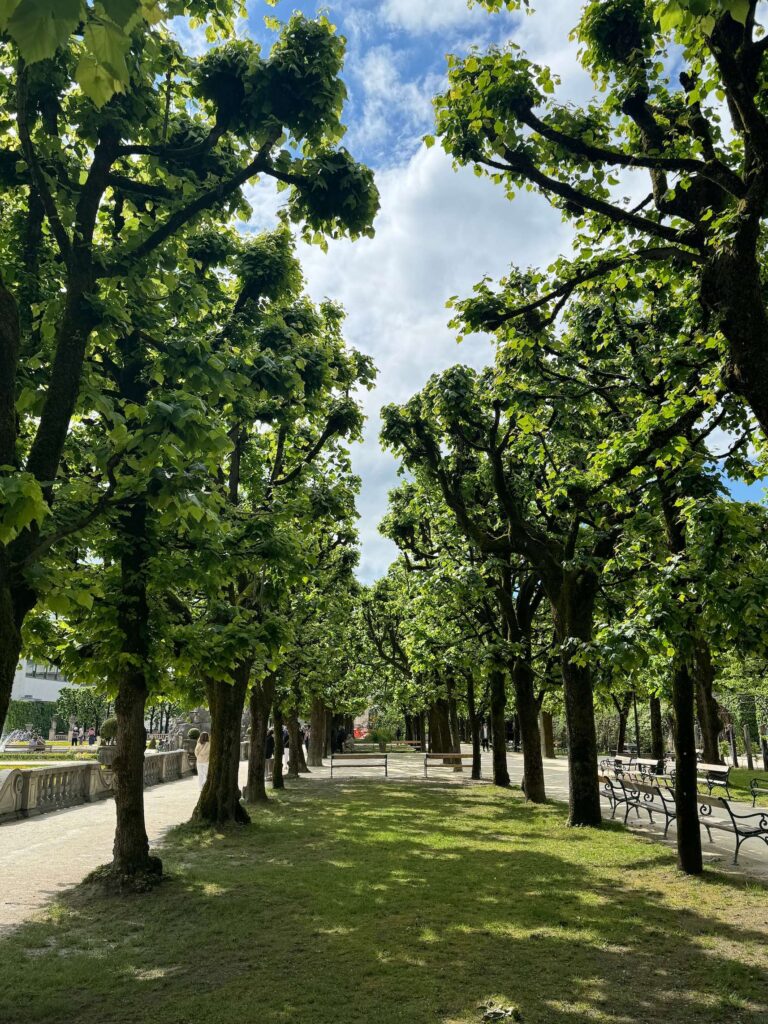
x,y
25,792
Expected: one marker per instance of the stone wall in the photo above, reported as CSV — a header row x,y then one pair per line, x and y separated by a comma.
x,y
25,792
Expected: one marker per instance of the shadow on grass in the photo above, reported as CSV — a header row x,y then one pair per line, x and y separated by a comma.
x,y
389,903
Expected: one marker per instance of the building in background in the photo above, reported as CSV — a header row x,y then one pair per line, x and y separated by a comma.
x,y
37,682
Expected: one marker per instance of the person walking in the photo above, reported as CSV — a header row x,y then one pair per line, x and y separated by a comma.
x,y
485,736
75,736
91,736
203,755
269,755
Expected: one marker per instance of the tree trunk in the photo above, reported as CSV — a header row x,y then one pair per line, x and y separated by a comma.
x,y
706,705
657,729
622,709
316,734
474,725
130,855
528,717
219,802
262,695
10,641
453,720
498,727
573,611
547,735
688,831
293,744
277,771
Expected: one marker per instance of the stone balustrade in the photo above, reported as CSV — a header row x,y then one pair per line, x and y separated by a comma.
x,y
25,792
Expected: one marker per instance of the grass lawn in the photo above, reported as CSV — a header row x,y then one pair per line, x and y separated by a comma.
x,y
739,781
393,903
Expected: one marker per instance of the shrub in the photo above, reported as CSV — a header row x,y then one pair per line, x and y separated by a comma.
x,y
193,734
108,730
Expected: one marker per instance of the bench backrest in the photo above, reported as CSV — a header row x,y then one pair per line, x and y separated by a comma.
x,y
358,757
712,801
455,756
713,769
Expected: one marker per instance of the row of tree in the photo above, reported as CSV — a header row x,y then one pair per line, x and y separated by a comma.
x,y
174,411
568,503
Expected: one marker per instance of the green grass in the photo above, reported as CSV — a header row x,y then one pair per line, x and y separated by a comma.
x,y
400,904
739,781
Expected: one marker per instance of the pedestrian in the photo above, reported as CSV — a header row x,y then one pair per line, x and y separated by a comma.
x,y
91,736
269,755
485,736
341,737
75,736
286,746
306,739
203,754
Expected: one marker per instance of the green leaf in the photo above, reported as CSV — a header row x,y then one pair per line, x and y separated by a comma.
x,y
95,81
108,45
121,11
40,27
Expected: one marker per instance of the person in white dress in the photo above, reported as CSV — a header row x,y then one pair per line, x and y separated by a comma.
x,y
203,753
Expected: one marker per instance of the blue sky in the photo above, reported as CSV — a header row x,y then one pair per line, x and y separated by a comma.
x,y
439,230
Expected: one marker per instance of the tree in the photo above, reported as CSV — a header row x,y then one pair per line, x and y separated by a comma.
x,y
703,216
95,200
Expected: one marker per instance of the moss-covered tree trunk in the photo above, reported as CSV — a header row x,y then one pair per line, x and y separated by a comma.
x,y
219,802
498,694
528,717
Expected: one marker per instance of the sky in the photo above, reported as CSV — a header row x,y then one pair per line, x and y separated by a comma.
x,y
439,230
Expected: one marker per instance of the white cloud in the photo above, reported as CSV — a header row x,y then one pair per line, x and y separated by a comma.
x,y
437,234
426,15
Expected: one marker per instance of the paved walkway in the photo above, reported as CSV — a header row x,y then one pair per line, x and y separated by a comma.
x,y
39,857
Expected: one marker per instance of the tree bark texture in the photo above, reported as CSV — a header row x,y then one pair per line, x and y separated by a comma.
x,y
708,712
689,857
657,729
573,612
528,717
317,734
474,725
130,854
219,802
547,735
498,693
262,695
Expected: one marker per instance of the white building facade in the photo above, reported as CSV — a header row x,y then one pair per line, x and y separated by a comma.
x,y
37,682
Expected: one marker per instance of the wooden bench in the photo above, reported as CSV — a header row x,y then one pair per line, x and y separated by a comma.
x,y
711,775
361,761
755,788
742,826
618,762
455,761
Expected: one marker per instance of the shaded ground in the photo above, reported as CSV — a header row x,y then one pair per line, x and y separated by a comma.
x,y
394,902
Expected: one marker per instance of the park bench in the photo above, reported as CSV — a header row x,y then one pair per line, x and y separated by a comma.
x,y
617,762
649,767
755,788
414,745
711,775
360,761
455,761
742,826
